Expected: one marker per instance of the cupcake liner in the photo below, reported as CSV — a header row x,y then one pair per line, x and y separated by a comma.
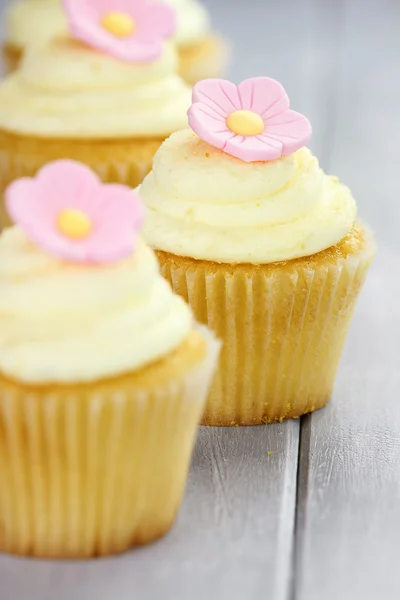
x,y
12,56
96,469
204,59
283,327
124,161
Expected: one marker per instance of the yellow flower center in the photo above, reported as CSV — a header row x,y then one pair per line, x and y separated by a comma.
x,y
74,224
119,24
245,122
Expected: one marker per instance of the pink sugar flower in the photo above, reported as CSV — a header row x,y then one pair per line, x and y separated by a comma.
x,y
130,30
70,213
251,121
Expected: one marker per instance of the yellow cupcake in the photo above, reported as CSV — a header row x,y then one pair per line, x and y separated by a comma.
x,y
69,100
283,326
103,380
268,254
202,53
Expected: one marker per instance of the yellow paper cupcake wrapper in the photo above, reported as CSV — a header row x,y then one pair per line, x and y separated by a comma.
x,y
125,161
96,471
283,327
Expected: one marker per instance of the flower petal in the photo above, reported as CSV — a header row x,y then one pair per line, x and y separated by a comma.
x,y
252,149
27,208
137,50
207,111
84,10
133,8
159,21
208,125
64,180
57,244
110,244
215,99
218,94
118,205
154,23
24,202
268,96
115,211
291,128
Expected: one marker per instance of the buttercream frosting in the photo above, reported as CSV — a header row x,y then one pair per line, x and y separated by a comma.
x,y
206,204
65,89
68,323
28,22
37,21
193,21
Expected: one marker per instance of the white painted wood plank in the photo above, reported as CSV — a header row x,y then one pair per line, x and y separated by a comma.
x,y
349,504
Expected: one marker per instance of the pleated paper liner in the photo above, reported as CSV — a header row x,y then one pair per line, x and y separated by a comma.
x,y
206,58
12,56
283,327
95,469
124,161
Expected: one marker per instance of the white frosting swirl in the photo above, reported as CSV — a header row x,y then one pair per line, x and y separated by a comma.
x,y
67,323
38,21
208,205
193,21
65,89
33,21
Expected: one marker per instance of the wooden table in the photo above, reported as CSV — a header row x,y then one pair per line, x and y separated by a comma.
x,y
319,518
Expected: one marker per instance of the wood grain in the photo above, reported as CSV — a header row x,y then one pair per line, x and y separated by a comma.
x,y
349,491
234,538
234,535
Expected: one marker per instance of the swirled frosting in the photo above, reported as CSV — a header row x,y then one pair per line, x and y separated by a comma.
x,y
206,204
37,21
65,89
68,323
33,21
193,21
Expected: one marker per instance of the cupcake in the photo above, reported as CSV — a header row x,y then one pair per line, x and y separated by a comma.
x,y
103,376
202,53
106,96
263,245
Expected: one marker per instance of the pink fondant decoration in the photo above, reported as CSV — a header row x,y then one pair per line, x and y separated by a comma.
x,y
114,210
214,100
154,23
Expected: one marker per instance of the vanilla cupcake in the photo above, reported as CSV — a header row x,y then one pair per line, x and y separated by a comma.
x,y
103,377
202,53
107,96
263,245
